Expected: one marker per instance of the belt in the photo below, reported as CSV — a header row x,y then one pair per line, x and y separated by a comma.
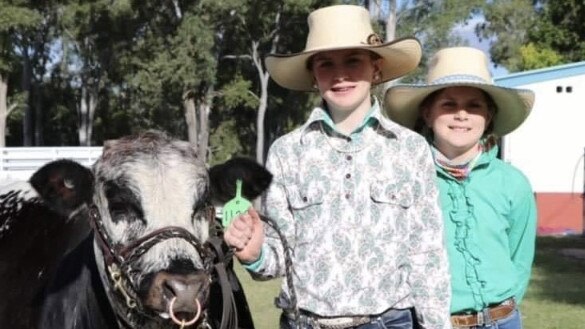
x,y
341,322
488,315
344,322
333,323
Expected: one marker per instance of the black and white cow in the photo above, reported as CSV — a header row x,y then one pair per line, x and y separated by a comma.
x,y
150,261
40,220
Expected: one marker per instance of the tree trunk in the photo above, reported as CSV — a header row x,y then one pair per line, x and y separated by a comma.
x,y
93,101
374,8
85,113
190,117
204,110
391,21
260,119
82,111
263,75
38,110
27,120
3,108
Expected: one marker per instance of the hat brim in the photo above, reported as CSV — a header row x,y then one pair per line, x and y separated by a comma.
x,y
402,103
290,71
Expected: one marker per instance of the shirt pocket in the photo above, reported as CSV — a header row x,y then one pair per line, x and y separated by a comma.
x,y
392,193
304,196
307,206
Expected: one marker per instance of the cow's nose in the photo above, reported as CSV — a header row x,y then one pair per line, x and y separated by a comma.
x,y
184,288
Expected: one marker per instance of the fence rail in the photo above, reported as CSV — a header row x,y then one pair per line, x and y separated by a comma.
x,y
19,163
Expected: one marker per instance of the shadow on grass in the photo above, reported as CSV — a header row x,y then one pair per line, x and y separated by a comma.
x,y
260,296
555,277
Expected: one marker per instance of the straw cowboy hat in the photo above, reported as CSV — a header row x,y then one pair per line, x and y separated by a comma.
x,y
342,27
460,66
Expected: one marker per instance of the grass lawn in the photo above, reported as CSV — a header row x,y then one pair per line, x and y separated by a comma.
x,y
556,294
260,295
555,297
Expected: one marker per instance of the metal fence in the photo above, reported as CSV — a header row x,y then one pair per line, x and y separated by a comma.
x,y
19,163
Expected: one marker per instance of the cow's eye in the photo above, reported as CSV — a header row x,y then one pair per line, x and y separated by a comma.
x,y
123,204
125,211
205,211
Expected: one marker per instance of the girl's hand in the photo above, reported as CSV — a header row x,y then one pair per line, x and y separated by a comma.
x,y
246,235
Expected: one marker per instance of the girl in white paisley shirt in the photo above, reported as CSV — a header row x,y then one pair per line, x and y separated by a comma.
x,y
353,193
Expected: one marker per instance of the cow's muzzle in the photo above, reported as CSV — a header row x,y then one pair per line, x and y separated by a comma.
x,y
181,295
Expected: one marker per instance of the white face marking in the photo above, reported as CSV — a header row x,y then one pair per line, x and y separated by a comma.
x,y
163,186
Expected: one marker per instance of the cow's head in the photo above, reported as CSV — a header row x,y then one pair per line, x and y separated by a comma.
x,y
145,184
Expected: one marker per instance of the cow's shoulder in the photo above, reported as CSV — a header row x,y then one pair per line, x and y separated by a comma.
x,y
75,296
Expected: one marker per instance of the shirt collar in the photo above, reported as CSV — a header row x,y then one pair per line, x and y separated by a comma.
x,y
373,117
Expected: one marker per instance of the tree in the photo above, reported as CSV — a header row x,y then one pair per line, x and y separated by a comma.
x,y
432,22
267,27
506,25
533,58
78,25
559,28
532,34
169,69
16,19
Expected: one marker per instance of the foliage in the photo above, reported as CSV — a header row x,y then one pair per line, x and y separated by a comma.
x,y
141,58
559,27
506,25
529,34
534,58
434,24
225,141
237,92
15,16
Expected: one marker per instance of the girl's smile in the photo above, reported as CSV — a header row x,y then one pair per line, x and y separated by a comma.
x,y
458,117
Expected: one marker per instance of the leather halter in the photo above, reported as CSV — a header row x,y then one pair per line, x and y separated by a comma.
x,y
120,261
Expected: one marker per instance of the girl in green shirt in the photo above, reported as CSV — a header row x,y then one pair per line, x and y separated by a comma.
x,y
488,205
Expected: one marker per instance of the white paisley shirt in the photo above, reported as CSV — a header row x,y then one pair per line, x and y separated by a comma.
x,y
361,215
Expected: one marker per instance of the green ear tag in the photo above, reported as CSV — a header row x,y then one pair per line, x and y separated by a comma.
x,y
235,206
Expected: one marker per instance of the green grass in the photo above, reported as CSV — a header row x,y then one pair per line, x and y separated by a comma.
x,y
556,294
260,296
555,297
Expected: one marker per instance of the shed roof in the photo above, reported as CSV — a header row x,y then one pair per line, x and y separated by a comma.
x,y
541,75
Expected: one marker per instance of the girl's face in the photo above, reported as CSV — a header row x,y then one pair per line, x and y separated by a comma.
x,y
458,117
344,78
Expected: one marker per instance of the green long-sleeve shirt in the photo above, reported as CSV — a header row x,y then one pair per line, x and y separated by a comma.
x,y
490,224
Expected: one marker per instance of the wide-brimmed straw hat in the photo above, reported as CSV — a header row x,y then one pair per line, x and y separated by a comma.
x,y
342,27
460,66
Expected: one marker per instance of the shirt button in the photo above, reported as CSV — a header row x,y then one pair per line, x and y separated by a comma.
x,y
305,199
347,176
349,157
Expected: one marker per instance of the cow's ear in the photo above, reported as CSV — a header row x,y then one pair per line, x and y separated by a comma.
x,y
64,185
255,179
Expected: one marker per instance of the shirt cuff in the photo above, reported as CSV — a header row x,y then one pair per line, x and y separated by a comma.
x,y
255,265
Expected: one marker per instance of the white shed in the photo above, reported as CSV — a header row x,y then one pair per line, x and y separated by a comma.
x,y
550,145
